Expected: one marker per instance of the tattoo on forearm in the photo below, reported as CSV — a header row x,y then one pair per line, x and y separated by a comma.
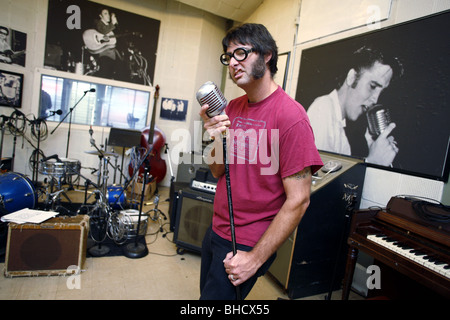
x,y
302,174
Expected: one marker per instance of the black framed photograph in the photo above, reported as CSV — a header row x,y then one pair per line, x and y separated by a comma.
x,y
174,109
89,38
409,88
11,87
13,45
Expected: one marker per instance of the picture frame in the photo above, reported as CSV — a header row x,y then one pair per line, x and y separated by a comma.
x,y
281,77
174,109
11,88
418,101
75,43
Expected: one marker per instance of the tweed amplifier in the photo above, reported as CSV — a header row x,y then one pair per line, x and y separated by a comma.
x,y
54,247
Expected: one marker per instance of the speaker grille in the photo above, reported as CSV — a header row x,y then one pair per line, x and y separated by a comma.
x,y
193,219
43,249
49,248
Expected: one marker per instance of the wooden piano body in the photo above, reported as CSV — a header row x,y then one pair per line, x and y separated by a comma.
x,y
406,242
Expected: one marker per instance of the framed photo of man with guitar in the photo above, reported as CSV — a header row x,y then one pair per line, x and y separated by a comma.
x,y
12,46
93,39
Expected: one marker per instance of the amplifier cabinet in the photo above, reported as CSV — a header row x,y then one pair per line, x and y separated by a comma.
x,y
312,260
175,188
194,216
48,248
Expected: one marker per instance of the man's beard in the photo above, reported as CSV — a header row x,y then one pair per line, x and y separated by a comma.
x,y
258,69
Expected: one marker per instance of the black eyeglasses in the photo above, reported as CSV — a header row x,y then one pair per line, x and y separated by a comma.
x,y
240,54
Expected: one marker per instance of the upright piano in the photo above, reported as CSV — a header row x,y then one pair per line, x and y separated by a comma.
x,y
410,235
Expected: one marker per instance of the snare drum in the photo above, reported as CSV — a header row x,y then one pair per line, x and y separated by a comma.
x,y
130,220
55,168
17,192
52,167
116,193
73,166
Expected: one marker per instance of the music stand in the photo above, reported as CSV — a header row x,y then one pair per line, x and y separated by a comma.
x,y
124,138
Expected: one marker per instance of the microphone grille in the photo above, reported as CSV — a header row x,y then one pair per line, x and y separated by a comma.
x,y
210,94
378,119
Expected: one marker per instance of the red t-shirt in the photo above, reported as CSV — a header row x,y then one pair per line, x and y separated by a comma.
x,y
257,165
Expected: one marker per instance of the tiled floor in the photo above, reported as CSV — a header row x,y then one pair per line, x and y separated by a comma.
x,y
161,275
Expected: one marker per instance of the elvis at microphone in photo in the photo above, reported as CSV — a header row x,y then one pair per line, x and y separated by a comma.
x,y
337,117
264,156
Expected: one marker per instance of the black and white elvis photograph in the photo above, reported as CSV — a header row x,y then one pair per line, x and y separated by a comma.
x,y
383,96
92,39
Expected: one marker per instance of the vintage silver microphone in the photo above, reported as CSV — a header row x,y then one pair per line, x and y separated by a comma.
x,y
378,118
210,94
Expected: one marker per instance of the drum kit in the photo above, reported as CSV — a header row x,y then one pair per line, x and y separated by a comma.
x,y
112,214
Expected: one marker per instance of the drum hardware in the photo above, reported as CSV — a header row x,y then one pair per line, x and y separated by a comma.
x,y
52,202
99,214
155,213
59,169
99,223
102,153
123,225
137,249
117,198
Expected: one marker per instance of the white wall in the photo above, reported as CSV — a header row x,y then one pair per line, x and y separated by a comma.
x,y
188,51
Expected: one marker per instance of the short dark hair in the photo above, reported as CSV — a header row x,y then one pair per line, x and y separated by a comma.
x,y
365,57
258,37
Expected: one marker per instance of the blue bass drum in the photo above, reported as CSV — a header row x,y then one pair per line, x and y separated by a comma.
x,y
117,198
16,192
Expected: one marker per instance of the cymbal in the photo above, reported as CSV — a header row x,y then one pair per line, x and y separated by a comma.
x,y
104,153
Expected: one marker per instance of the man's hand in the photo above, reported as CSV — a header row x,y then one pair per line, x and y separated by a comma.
x,y
215,125
240,267
383,150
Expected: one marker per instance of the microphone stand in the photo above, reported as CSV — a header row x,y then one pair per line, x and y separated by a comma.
x,y
3,128
70,122
37,122
137,249
230,205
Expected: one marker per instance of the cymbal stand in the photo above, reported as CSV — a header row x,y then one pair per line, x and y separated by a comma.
x,y
99,214
99,221
144,159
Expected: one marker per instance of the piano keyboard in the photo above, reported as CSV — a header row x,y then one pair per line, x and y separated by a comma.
x,y
428,261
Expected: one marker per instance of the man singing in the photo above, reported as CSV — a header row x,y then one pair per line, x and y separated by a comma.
x,y
267,204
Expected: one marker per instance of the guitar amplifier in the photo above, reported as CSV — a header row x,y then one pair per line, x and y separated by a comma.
x,y
194,216
54,247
